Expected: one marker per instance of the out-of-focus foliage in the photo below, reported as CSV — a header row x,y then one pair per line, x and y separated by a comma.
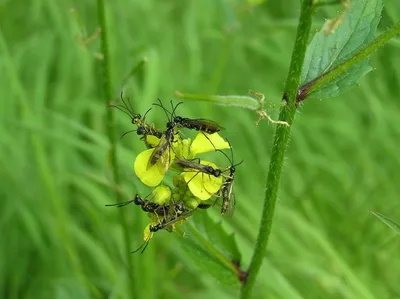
x,y
389,222
58,240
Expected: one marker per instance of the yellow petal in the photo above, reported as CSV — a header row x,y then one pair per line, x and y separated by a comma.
x,y
205,142
152,140
203,185
153,175
147,233
181,147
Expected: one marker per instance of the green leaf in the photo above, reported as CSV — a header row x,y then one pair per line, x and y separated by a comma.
x,y
326,52
393,225
213,249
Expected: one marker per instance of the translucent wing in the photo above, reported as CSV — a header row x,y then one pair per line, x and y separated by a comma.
x,y
208,122
231,206
164,161
158,152
228,201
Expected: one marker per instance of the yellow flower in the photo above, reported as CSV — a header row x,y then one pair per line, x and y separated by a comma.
x,y
202,186
205,142
183,193
151,140
153,175
147,234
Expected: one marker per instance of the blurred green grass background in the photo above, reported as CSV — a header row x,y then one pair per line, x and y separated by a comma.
x,y
58,240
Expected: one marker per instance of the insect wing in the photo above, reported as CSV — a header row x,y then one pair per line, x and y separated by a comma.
x,y
210,125
165,160
228,200
231,206
190,166
158,152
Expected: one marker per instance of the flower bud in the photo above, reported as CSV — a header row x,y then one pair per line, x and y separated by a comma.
x,y
161,194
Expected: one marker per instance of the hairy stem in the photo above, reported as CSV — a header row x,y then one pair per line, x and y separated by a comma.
x,y
107,89
281,140
332,74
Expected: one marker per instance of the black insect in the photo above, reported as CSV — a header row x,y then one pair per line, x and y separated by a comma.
x,y
162,150
198,124
188,164
154,208
163,224
204,206
226,190
143,128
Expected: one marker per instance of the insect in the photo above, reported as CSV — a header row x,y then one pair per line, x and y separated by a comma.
x,y
162,150
198,124
143,128
204,206
188,164
154,208
226,190
164,223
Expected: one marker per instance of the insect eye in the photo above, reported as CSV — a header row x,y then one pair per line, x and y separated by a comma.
x,y
140,131
137,200
178,119
233,169
170,124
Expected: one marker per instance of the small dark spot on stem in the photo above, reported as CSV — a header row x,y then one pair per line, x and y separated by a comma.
x,y
285,98
302,93
242,275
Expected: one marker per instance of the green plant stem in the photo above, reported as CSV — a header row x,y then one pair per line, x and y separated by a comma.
x,y
246,102
327,3
281,140
331,75
111,136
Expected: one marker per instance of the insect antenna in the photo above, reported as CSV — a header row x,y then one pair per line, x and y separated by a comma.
x,y
120,204
173,115
121,108
129,102
129,108
231,161
145,244
126,133
237,164
144,116
165,110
